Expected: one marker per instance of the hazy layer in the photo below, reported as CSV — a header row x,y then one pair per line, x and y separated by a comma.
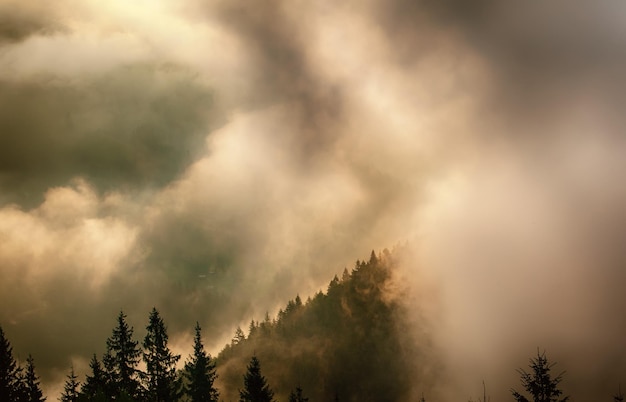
x,y
213,161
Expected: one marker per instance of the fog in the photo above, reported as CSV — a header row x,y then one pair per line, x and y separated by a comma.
x,y
214,160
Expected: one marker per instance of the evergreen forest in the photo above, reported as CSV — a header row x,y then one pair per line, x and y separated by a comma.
x,y
327,348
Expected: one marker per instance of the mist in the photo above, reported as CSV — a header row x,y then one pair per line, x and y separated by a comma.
x,y
214,160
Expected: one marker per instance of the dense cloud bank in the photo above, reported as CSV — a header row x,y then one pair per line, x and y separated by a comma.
x,y
213,160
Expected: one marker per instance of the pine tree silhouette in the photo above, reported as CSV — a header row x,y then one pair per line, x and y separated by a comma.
x,y
121,360
297,396
239,337
31,380
540,384
200,373
10,372
70,389
162,384
94,387
255,388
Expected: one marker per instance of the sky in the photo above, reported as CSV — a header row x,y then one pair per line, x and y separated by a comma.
x,y
214,159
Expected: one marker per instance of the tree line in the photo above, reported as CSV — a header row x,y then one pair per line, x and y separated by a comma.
x,y
17,383
346,344
342,344
350,342
117,377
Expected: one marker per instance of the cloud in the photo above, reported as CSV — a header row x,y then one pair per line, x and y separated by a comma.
x,y
525,254
535,53
135,126
58,263
276,42
213,161
19,21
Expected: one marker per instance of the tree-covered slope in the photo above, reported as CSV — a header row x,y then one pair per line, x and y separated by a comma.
x,y
349,344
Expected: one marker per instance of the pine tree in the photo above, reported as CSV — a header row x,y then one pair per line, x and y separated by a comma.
x,y
296,396
256,388
21,388
373,258
266,325
238,338
200,373
70,389
540,384
162,384
252,328
345,276
31,380
94,387
9,371
121,360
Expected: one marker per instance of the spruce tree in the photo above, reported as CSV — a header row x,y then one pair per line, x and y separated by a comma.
x,y
121,360
70,389
200,373
255,388
9,371
31,380
540,384
252,328
21,389
296,396
94,387
238,338
162,384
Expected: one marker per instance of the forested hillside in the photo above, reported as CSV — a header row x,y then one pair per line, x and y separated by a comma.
x,y
348,344
351,343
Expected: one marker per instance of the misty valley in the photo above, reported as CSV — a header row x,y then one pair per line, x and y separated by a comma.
x,y
351,343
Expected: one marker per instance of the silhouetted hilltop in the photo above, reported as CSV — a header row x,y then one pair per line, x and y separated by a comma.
x,y
349,343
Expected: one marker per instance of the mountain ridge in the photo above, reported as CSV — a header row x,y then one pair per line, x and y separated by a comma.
x,y
351,343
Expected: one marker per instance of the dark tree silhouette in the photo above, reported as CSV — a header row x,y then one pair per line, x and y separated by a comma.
x,y
540,384
255,388
94,387
70,389
373,258
252,328
31,381
200,373
162,384
296,396
239,337
10,372
121,360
